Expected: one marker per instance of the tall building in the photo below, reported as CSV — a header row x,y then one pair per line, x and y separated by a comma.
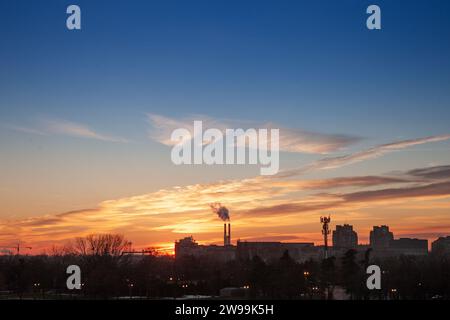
x,y
383,244
381,237
345,237
408,246
441,246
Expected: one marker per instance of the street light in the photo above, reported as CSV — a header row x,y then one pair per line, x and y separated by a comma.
x,y
130,288
36,286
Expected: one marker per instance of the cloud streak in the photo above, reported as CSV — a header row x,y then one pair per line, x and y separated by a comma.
x,y
430,190
371,153
291,140
67,128
78,130
436,172
27,130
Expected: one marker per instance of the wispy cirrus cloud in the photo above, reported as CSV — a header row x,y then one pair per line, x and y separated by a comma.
x,y
435,172
371,153
27,130
428,190
291,139
78,130
68,128
334,201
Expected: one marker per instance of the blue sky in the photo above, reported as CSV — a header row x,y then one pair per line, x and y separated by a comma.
x,y
302,64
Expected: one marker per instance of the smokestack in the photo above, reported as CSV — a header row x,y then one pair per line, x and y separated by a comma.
x,y
223,214
225,238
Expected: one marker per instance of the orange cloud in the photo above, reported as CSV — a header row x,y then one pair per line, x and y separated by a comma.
x,y
286,210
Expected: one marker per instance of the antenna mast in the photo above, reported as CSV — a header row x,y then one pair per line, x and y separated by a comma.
x,y
325,221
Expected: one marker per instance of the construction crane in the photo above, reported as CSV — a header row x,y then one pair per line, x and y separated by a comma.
x,y
17,248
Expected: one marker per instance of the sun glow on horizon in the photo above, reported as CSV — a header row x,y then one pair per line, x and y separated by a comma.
x,y
287,210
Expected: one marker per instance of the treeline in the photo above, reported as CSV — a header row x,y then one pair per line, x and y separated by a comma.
x,y
404,277
107,271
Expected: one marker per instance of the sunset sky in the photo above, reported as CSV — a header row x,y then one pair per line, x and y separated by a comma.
x,y
85,117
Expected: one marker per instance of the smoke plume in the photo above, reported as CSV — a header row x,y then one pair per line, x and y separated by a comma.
x,y
221,211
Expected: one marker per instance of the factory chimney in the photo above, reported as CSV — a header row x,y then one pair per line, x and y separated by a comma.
x,y
223,214
225,237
